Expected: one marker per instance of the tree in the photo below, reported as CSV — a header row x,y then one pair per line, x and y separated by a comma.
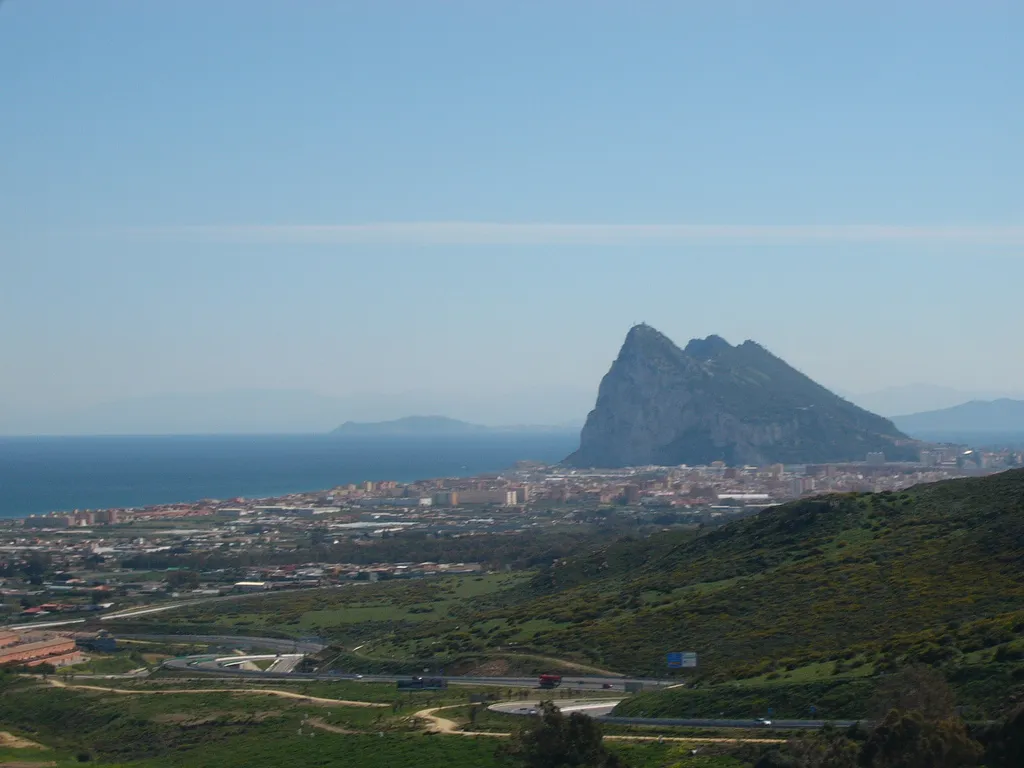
x,y
318,537
1006,744
557,741
828,748
183,580
35,566
916,688
909,740
777,759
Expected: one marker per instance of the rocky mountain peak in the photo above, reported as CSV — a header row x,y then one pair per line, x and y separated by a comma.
x,y
707,349
710,401
643,339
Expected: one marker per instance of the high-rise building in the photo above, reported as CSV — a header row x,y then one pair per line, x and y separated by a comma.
x,y
446,499
502,497
106,516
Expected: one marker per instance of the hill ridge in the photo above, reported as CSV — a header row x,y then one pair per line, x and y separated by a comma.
x,y
807,580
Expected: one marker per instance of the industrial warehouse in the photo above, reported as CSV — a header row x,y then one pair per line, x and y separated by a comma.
x,y
35,648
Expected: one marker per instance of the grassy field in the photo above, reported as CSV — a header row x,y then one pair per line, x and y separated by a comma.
x,y
337,611
986,690
203,727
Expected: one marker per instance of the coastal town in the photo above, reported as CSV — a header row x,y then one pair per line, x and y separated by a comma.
x,y
87,561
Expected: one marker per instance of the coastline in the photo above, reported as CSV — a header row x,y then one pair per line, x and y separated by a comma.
x,y
39,475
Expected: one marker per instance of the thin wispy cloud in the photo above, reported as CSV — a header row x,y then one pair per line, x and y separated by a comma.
x,y
494,233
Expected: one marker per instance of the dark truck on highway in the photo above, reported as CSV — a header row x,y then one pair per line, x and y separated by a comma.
x,y
423,684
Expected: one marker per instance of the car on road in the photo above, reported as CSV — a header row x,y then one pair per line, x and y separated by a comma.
x,y
763,721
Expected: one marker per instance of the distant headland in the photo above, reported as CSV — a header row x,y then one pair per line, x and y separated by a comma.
x,y
436,426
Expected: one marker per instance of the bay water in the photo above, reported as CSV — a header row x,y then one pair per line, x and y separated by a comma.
x,y
47,474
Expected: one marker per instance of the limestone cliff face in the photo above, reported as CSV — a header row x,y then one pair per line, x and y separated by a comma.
x,y
659,404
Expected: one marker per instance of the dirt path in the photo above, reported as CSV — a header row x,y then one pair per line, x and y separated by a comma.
x,y
239,691
568,664
440,724
9,741
512,654
446,726
317,722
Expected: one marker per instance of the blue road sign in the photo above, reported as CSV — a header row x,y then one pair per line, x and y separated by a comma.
x,y
681,660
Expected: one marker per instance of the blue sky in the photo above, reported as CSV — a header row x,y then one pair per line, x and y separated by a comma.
x,y
481,198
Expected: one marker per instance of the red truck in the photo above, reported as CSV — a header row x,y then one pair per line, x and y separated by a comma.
x,y
550,681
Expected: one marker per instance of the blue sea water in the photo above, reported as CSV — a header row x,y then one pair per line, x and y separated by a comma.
x,y
44,474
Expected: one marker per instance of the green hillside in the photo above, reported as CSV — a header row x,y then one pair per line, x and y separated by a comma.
x,y
887,576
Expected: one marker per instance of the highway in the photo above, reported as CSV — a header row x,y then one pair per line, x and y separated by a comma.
x,y
707,723
209,664
291,650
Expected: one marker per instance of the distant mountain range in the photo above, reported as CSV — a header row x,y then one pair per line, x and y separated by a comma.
x,y
659,404
1001,416
434,426
918,398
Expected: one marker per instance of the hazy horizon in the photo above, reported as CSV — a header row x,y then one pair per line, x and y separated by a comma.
x,y
462,209
306,412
